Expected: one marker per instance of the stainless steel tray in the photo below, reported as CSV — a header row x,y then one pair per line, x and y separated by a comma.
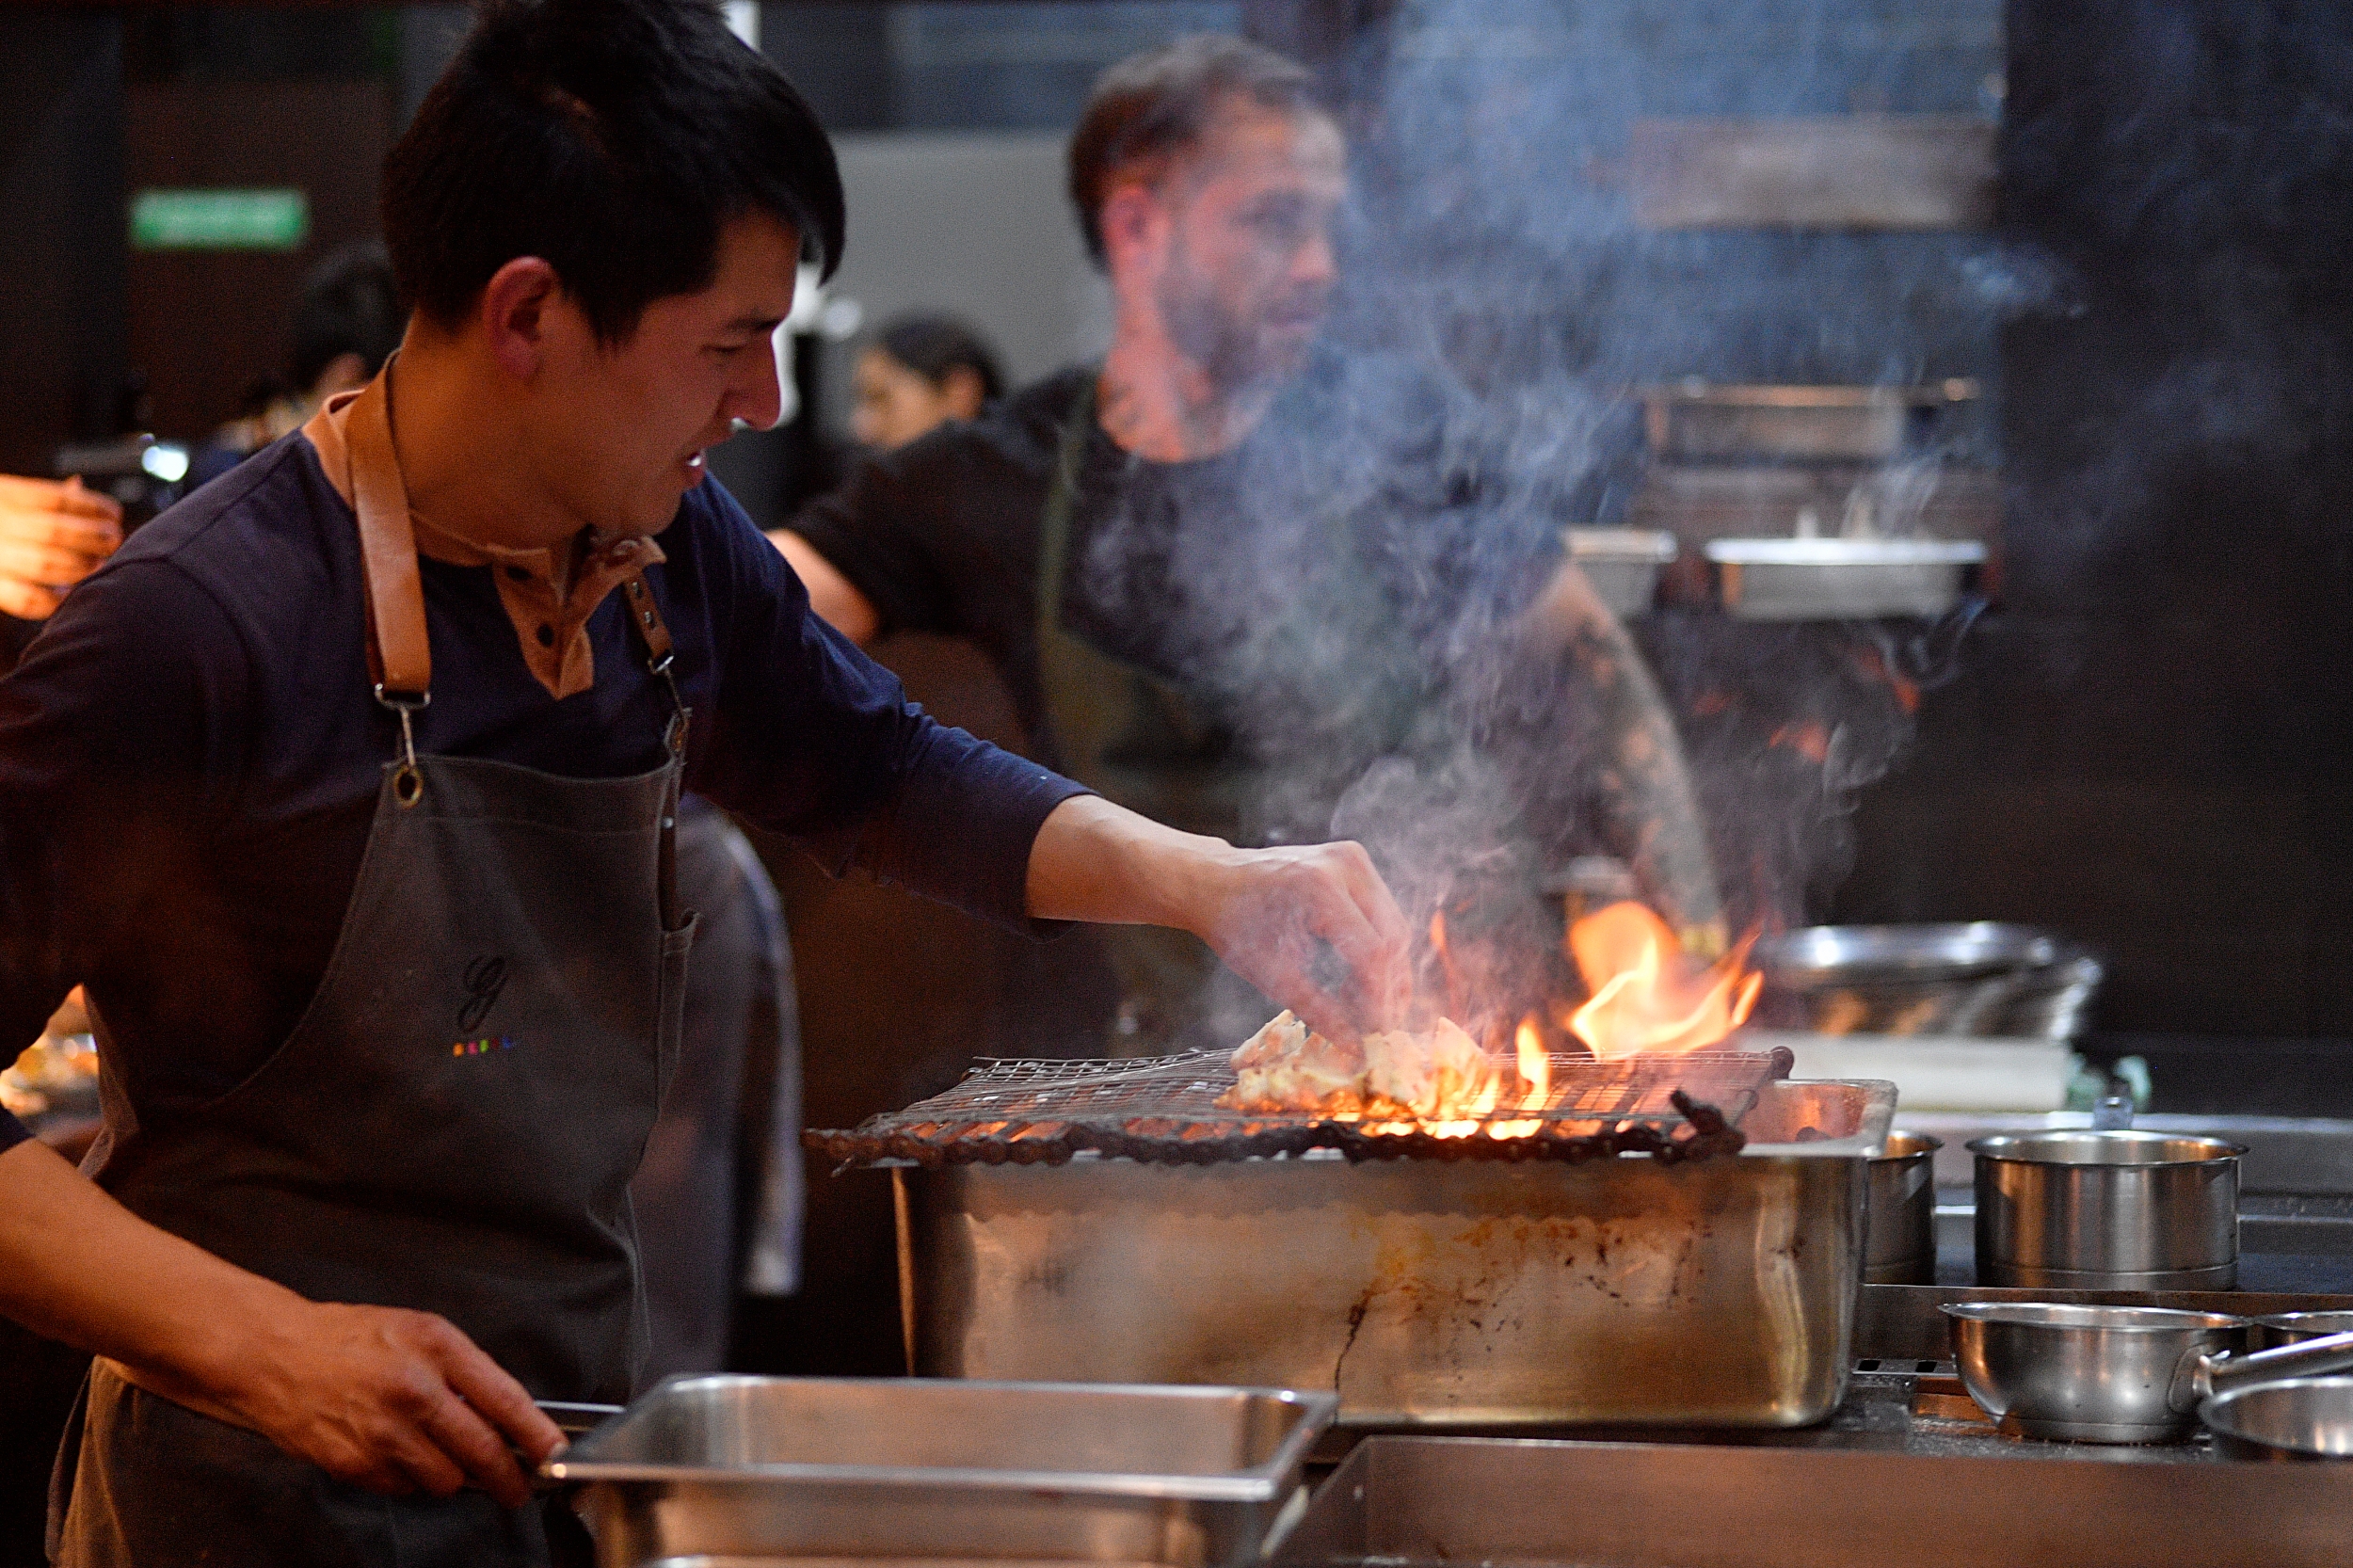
x,y
1842,579
766,1468
1405,1500
1423,1292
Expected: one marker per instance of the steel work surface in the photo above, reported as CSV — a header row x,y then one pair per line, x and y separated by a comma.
x,y
1404,1500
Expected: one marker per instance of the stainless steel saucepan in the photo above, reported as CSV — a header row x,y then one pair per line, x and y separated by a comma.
x,y
2116,1374
2303,1419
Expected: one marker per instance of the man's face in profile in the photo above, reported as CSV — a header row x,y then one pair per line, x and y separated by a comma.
x,y
1249,269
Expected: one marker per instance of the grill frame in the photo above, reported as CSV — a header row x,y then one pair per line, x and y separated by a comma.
x,y
1163,1110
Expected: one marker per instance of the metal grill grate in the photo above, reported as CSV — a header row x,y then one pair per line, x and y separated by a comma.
x,y
1165,1108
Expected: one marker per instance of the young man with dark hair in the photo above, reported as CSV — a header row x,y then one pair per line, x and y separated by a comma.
x,y
348,790
1228,573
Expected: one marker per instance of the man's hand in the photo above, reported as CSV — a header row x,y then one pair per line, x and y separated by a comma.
x,y
397,1401
52,535
1314,927
392,1400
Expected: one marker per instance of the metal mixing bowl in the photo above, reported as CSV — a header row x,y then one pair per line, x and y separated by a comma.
x,y
2293,1328
2088,1374
1980,978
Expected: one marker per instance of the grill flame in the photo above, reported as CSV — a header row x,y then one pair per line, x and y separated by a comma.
x,y
1649,998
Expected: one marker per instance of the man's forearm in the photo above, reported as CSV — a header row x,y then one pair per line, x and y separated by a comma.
x,y
1102,863
1650,811
78,1267
1311,925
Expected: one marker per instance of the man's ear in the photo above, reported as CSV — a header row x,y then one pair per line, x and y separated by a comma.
x,y
1133,225
513,313
962,387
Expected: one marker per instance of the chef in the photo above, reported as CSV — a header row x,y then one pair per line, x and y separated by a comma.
x,y
347,788
1228,573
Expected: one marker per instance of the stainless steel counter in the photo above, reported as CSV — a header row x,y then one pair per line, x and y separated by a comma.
x,y
1852,1499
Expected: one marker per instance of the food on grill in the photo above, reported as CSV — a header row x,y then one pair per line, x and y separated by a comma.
x,y
1285,1066
1399,1073
1426,1072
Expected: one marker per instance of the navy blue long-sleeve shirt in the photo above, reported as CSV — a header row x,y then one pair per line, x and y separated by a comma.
x,y
190,757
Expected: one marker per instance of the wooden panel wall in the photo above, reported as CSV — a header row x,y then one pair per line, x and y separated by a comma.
x,y
205,324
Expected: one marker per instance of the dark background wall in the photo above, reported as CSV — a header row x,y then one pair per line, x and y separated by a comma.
x,y
62,250
2147,745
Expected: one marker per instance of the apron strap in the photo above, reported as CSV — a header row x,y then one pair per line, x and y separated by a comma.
x,y
645,618
398,653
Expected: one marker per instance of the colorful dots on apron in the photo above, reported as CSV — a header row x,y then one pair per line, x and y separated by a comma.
x,y
476,1048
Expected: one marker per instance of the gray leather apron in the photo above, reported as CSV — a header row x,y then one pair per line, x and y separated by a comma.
x,y
1139,740
451,1127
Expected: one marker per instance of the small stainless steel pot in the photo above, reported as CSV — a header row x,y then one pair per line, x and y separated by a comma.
x,y
2307,1419
2293,1328
1902,1245
1623,564
2107,1211
2114,1374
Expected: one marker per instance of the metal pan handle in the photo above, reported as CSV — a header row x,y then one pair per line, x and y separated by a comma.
x,y
2203,1375
573,1419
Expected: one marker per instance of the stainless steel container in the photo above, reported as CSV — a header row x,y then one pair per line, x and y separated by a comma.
x,y
2307,1419
1902,1207
2115,1374
2273,1330
1623,564
2090,1375
1430,1500
1841,579
2114,1210
1696,421
769,1468
1424,1292
1980,977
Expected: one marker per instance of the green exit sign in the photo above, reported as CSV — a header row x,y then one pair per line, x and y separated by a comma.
x,y
219,220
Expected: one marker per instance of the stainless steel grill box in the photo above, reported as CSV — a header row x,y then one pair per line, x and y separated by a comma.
x,y
746,1468
1423,1291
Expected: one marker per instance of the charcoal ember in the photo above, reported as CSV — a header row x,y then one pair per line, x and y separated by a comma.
x,y
1710,1133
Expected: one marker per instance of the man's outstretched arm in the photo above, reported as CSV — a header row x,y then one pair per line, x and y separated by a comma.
x,y
1313,926
1651,812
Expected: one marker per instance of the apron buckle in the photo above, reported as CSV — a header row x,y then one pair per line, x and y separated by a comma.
x,y
408,783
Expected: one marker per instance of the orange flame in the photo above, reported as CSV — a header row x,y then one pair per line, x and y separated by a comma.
x,y
1649,999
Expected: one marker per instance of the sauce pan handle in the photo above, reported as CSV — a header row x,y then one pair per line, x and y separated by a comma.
x,y
2213,1374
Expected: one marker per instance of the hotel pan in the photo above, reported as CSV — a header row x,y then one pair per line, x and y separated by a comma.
x,y
1426,1293
906,1468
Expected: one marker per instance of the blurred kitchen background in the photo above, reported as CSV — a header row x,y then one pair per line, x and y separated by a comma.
x,y
2099,246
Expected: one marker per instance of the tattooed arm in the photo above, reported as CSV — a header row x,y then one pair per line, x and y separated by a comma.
x,y
1651,812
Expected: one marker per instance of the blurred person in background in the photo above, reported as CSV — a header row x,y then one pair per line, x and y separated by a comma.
x,y
347,322
1254,587
918,373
